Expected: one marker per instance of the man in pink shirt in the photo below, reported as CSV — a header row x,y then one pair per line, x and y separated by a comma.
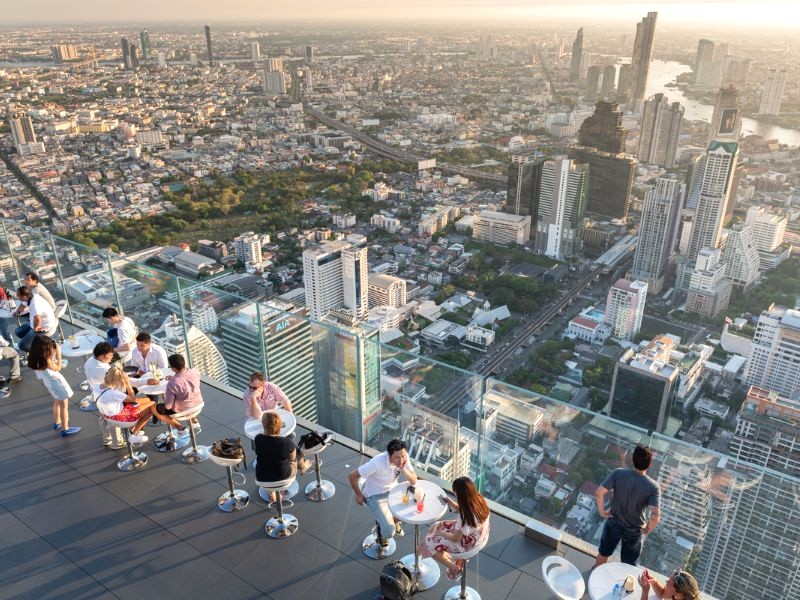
x,y
183,392
262,395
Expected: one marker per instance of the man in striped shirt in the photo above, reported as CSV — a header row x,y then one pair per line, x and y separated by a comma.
x,y
261,395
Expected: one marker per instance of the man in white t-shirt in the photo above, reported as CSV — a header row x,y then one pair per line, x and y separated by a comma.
x,y
380,476
96,368
42,318
125,333
148,353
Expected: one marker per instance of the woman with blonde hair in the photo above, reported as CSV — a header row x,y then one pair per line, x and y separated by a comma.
x,y
680,586
117,401
278,459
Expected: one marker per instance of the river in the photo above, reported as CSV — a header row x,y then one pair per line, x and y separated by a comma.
x,y
663,72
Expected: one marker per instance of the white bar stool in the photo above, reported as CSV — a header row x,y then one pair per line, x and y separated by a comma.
x,y
283,525
563,578
169,442
319,490
233,500
196,453
462,592
134,460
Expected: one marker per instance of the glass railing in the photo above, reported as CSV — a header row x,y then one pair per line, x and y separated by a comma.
x,y
734,524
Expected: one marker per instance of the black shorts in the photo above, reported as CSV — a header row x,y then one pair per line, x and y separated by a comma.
x,y
615,532
162,410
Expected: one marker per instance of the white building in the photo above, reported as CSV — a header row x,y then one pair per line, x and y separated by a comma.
x,y
479,338
206,356
772,93
625,308
247,247
390,224
386,290
274,82
740,256
562,203
344,221
335,276
438,220
501,228
769,229
776,352
589,326
204,317
709,289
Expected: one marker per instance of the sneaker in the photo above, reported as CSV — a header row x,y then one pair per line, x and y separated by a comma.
x,y
196,426
183,433
138,438
4,393
398,530
15,379
106,443
305,466
116,446
56,425
70,431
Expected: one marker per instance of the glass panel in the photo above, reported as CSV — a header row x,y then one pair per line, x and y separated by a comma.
x,y
8,277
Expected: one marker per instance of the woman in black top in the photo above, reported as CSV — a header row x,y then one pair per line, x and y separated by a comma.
x,y
277,456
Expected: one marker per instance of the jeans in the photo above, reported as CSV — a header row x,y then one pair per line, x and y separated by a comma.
x,y
379,505
615,532
27,339
9,354
22,330
4,323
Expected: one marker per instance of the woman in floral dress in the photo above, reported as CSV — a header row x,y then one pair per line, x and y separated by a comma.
x,y
455,536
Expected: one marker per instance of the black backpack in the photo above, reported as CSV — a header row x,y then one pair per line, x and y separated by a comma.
x,y
396,582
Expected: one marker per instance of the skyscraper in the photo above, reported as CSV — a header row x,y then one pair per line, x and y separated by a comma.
x,y
775,354
726,122
625,308
144,38
126,52
255,51
608,86
335,277
205,356
709,290
705,55
592,86
274,81
610,181
772,94
714,194
657,232
577,54
660,130
22,129
309,54
562,203
208,45
623,82
740,256
133,56
524,184
640,59
603,129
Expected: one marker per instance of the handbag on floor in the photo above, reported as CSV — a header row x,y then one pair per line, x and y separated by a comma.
x,y
396,582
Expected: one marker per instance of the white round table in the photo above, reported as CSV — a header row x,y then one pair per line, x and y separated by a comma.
x,y
426,571
86,344
6,313
158,389
604,577
252,427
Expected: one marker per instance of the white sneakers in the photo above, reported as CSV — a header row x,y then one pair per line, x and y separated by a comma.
x,y
138,438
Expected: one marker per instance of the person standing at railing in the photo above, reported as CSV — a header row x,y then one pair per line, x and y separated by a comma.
x,y
42,318
626,522
262,395
122,334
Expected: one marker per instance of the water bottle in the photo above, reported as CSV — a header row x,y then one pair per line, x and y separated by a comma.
x,y
615,593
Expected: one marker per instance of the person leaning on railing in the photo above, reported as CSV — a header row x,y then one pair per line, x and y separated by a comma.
x,y
680,586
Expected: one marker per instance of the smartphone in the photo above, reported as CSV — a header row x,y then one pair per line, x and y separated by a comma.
x,y
442,499
411,489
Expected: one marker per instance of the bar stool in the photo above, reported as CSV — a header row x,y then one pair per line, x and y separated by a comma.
x,y
319,490
169,442
233,500
283,525
196,453
462,592
563,578
286,497
134,460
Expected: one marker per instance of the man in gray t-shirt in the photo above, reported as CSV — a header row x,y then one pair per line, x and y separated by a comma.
x,y
626,522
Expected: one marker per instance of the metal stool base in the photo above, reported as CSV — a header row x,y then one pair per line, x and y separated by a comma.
x,y
233,502
372,549
454,593
428,574
324,491
178,442
192,456
130,464
84,385
277,528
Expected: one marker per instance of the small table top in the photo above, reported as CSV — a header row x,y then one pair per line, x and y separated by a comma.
x,y
252,427
433,509
86,344
151,390
603,578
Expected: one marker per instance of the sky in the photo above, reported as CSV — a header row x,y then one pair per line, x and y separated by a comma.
x,y
784,14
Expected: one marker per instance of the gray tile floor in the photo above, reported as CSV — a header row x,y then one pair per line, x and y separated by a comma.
x,y
73,526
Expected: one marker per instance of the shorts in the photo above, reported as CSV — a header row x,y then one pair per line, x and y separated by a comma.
x,y
128,414
615,532
162,410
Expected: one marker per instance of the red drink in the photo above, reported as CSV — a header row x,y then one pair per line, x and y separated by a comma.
x,y
420,505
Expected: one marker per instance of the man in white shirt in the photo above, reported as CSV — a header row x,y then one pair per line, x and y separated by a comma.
x,y
125,332
41,315
380,476
146,354
37,287
96,368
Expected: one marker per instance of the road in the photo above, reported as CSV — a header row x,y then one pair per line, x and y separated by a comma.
x,y
388,151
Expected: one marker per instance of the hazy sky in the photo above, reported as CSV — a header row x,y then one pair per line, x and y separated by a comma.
x,y
781,13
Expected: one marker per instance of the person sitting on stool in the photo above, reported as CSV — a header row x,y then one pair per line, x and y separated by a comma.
x,y
277,457
380,476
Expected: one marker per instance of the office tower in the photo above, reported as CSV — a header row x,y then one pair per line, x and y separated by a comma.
x,y
273,65
386,290
203,315
562,204
644,383
133,56
64,52
686,478
335,276
736,70
608,87
622,82
255,51
775,354
640,60
162,60
625,308
740,256
22,129
248,248
657,233
501,228
610,181
660,131
769,229
705,55
709,289
209,52
524,184
772,94
726,122
288,350
434,440
592,87
274,82
714,193
126,52
577,53
603,129
144,38
309,54
309,82
205,356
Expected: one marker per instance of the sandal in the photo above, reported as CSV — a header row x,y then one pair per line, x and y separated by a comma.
x,y
455,575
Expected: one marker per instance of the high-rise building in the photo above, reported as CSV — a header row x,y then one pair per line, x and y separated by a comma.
x,y
705,55
608,87
709,289
657,233
501,228
255,51
611,179
772,93
144,38
248,248
126,52
644,383
714,193
209,52
524,184
603,129
205,355
660,131
685,477
162,59
726,121
622,82
274,82
133,56
775,353
591,88
625,308
577,53
386,290
740,256
273,65
64,52
562,204
309,54
769,228
434,441
22,129
640,60
335,276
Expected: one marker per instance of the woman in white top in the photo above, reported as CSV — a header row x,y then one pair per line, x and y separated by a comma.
x,y
116,401
45,359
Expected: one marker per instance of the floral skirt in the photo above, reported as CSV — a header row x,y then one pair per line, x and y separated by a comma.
x,y
128,413
434,542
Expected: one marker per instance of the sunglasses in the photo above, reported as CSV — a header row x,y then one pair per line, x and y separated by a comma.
x,y
254,387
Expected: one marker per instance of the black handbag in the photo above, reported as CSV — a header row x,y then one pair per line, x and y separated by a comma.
x,y
312,439
228,448
396,582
